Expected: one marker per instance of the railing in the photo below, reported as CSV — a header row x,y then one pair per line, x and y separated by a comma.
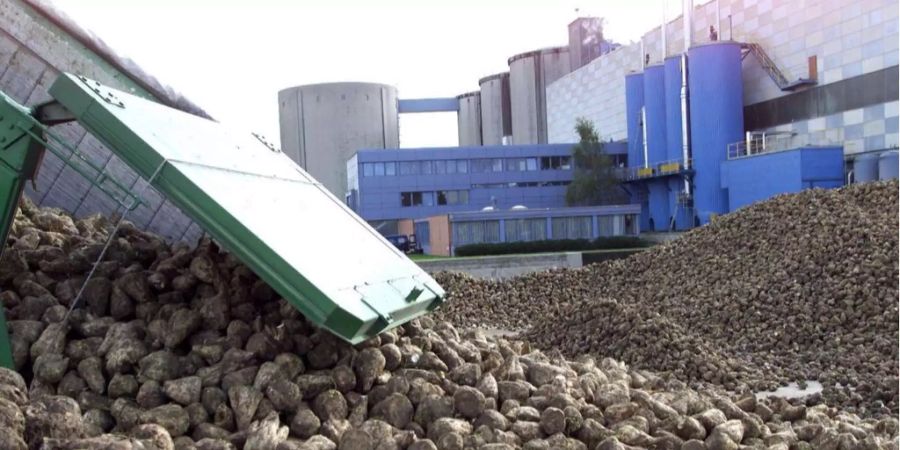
x,y
667,167
774,72
772,141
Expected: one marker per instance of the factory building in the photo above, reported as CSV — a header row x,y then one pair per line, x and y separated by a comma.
x,y
761,86
391,185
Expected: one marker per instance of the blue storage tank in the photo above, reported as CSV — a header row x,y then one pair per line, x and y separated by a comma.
x,y
716,119
655,107
634,103
887,165
865,168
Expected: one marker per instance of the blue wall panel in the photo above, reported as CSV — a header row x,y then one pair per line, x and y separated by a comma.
x,y
716,119
659,204
634,101
756,178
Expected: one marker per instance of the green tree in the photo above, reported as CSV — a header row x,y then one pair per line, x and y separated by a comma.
x,y
596,180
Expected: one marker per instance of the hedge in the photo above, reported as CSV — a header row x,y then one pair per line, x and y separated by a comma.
x,y
558,245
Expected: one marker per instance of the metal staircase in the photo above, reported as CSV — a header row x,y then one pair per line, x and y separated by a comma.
x,y
774,72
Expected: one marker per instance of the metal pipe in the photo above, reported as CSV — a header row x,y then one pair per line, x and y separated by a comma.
x,y
662,29
644,131
748,143
688,23
719,18
642,53
685,127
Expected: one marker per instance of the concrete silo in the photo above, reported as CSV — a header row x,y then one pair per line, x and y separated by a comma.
x,y
496,121
323,125
529,75
469,119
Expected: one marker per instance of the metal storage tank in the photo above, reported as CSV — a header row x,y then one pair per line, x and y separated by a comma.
x,y
468,119
634,106
866,168
887,165
716,119
495,110
655,114
683,218
323,125
529,75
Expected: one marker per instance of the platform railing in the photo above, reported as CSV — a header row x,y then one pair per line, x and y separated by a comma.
x,y
661,168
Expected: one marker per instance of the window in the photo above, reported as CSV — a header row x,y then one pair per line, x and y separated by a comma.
x,y
556,162
426,168
440,167
526,230
390,169
428,198
368,169
409,168
476,232
496,165
379,169
481,165
412,198
462,166
451,166
452,197
531,164
605,225
516,165
571,227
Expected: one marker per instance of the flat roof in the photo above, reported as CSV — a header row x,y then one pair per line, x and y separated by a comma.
x,y
543,212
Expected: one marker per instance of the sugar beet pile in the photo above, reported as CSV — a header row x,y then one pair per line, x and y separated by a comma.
x,y
801,287
184,348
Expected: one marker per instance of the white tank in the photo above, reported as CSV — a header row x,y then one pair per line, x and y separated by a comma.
x,y
323,125
529,75
495,111
468,119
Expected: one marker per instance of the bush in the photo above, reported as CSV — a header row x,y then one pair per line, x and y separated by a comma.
x,y
558,245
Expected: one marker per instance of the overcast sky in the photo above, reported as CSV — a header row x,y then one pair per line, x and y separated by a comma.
x,y
232,57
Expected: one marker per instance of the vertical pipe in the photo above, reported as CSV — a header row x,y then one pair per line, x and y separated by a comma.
x,y
688,23
642,53
685,118
719,18
662,29
644,131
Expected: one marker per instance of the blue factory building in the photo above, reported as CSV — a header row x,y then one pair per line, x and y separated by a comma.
x,y
385,185
690,159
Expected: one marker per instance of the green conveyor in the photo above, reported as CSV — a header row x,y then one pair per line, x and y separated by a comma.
x,y
256,202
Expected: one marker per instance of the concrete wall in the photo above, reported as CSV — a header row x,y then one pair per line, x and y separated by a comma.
x,y
323,125
529,75
506,266
848,39
495,108
33,51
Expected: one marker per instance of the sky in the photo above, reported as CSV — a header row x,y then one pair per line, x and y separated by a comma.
x,y
232,57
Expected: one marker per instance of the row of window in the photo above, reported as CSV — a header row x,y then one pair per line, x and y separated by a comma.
x,y
431,198
535,229
520,184
478,165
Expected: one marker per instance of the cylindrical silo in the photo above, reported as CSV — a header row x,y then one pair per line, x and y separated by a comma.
x,y
887,165
529,75
865,168
716,119
323,125
468,119
655,114
634,121
682,216
495,110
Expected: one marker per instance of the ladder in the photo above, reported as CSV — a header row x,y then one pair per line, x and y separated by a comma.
x,y
772,69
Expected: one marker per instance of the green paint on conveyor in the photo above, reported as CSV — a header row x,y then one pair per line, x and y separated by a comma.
x,y
314,251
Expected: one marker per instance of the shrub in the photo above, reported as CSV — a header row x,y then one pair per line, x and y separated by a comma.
x,y
556,245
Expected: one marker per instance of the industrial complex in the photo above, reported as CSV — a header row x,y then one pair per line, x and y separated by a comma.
x,y
751,100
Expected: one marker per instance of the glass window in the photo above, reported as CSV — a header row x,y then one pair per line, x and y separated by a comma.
x,y
390,169
368,169
452,197
416,198
406,199
565,162
428,198
441,198
463,197
462,166
440,167
451,166
480,165
409,168
531,164
571,227
379,169
526,230
497,165
605,225
426,167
